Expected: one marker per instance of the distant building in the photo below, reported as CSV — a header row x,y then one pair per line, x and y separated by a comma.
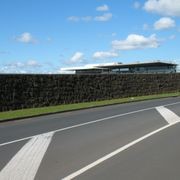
x,y
119,68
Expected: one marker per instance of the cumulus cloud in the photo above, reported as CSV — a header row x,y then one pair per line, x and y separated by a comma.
x,y
30,66
103,8
77,57
29,63
163,7
164,23
15,65
32,63
77,19
104,17
135,41
6,69
26,37
105,55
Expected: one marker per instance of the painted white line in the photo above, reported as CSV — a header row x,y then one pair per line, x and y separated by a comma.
x,y
87,123
110,155
79,125
171,104
18,140
168,115
24,165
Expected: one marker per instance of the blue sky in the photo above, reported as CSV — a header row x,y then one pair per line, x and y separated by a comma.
x,y
43,36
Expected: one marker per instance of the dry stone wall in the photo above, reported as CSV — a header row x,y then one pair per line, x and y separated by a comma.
x,y
26,91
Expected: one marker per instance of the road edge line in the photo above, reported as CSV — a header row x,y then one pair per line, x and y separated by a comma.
x,y
117,151
87,123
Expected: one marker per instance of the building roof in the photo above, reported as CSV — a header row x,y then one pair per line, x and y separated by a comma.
x,y
145,64
89,67
119,65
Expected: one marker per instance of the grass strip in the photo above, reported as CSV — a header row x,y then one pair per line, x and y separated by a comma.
x,y
32,112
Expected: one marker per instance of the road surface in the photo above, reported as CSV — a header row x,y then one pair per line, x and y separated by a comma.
x,y
138,141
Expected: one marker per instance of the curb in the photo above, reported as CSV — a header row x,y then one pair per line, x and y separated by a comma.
x,y
85,108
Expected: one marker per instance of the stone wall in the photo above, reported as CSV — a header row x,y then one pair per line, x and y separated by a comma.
x,y
26,91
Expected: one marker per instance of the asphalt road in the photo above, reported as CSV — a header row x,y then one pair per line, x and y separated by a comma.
x,y
138,141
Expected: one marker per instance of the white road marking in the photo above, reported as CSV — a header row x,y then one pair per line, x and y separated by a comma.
x,y
87,123
168,115
110,155
24,165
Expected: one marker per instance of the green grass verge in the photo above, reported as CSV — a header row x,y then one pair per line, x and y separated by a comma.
x,y
17,114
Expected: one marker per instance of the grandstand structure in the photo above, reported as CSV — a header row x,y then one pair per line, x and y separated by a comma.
x,y
120,68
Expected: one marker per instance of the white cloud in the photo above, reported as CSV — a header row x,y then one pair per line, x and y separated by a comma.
x,y
73,18
103,8
163,7
26,37
135,41
77,57
27,64
19,67
105,55
77,19
104,17
32,63
137,5
6,69
164,23
15,65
